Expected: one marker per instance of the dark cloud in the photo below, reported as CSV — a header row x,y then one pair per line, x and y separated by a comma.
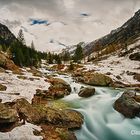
x,y
114,11
69,9
52,7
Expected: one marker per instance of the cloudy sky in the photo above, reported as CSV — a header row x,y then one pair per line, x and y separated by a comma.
x,y
51,23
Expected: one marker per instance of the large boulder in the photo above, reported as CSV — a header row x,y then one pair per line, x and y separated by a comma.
x,y
137,77
98,79
3,59
60,83
58,89
120,84
135,56
7,115
42,114
11,66
51,93
130,93
7,63
2,87
58,92
35,72
74,118
26,111
55,123
127,105
64,118
93,78
86,92
50,132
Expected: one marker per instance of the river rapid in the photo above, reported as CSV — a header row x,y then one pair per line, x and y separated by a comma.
x,y
101,121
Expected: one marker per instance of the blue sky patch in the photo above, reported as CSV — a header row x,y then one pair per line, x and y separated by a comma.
x,y
38,21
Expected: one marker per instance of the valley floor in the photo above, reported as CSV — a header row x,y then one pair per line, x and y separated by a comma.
x,y
120,69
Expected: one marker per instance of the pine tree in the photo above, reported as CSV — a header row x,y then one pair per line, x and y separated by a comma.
x,y
20,37
32,45
78,55
66,56
50,58
20,57
58,60
17,53
27,58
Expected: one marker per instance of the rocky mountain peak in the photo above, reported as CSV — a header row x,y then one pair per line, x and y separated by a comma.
x,y
6,37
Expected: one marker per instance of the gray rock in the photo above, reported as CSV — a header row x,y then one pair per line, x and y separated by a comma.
x,y
7,115
41,114
137,77
86,92
135,56
127,105
98,79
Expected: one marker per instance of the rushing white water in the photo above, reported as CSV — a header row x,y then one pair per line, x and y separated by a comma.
x,y
101,121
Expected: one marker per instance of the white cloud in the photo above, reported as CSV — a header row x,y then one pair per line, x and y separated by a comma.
x,y
67,26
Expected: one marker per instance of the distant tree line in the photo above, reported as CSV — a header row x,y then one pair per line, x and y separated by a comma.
x,y
24,55
76,57
66,56
21,54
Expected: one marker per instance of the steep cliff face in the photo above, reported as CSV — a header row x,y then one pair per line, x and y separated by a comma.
x,y
6,37
120,38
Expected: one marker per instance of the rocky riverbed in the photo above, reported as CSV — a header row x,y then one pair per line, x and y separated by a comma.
x,y
51,105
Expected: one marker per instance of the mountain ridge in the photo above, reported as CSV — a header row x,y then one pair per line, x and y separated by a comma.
x,y
123,36
6,36
117,39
